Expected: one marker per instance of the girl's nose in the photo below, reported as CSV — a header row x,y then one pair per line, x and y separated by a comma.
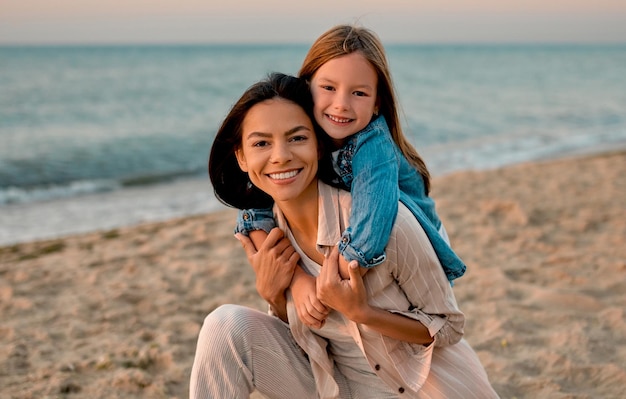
x,y
341,101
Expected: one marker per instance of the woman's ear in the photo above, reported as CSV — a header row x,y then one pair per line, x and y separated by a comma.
x,y
241,159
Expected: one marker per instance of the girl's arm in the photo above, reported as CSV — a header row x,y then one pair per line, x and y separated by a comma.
x,y
249,220
375,195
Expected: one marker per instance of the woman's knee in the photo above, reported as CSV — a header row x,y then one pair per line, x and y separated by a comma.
x,y
222,314
228,323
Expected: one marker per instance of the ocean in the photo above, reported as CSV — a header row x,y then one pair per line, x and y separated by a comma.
x,y
97,137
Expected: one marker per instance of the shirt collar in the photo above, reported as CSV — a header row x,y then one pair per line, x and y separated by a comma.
x,y
331,220
333,216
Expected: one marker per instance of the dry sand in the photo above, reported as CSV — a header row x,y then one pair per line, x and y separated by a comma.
x,y
116,313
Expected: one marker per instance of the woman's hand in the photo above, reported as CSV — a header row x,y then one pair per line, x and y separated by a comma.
x,y
311,311
348,297
274,264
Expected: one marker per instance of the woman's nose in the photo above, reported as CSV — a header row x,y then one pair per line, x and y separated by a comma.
x,y
280,153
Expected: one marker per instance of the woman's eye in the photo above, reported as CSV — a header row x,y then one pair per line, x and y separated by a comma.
x,y
260,144
298,138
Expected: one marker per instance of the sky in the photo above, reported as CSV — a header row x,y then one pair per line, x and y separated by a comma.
x,y
291,21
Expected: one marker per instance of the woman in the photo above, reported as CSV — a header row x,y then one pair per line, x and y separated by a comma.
x,y
395,332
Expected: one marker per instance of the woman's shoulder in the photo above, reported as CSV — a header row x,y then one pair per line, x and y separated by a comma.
x,y
334,194
335,201
406,224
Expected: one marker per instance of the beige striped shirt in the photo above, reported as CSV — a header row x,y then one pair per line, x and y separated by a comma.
x,y
411,282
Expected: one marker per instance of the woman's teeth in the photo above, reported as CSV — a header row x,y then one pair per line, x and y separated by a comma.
x,y
283,175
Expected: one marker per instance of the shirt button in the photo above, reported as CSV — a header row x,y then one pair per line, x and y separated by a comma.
x,y
377,367
401,390
344,240
246,216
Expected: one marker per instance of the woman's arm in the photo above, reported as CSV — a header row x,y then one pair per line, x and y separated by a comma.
x,y
274,264
349,297
419,274
412,279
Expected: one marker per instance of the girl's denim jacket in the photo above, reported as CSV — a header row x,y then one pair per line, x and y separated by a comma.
x,y
374,169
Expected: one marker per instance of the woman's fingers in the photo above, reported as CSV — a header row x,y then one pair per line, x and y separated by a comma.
x,y
247,244
274,236
280,247
330,269
356,280
317,309
312,316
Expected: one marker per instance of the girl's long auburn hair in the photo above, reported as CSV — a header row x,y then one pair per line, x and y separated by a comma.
x,y
346,39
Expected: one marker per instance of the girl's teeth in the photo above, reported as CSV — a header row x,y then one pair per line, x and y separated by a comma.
x,y
283,175
339,120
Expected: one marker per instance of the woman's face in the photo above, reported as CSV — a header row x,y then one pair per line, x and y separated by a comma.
x,y
279,150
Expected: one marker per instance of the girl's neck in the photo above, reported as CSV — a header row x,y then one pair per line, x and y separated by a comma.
x,y
338,143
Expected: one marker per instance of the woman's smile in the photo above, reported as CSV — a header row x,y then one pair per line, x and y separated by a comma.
x,y
279,150
284,175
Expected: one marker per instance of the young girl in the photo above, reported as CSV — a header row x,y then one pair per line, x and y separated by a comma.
x,y
355,104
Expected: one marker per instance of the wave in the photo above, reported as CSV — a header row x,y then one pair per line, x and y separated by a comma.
x,y
48,192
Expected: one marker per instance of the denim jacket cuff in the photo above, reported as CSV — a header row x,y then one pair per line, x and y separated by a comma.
x,y
255,219
350,253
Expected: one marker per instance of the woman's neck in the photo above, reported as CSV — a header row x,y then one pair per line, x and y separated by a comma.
x,y
302,217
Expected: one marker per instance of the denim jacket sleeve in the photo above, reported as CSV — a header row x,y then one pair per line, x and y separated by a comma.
x,y
375,195
255,219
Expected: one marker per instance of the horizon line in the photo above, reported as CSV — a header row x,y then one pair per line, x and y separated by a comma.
x,y
302,43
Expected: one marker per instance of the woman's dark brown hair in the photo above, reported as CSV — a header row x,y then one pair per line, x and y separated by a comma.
x,y
230,184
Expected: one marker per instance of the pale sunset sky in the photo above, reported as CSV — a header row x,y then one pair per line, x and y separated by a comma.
x,y
288,21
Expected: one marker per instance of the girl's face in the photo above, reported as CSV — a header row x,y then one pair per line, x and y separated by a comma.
x,y
279,150
344,93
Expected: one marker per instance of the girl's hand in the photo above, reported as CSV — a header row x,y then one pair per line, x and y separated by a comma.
x,y
346,296
274,264
310,310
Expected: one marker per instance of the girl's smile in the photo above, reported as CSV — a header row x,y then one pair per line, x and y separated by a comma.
x,y
344,91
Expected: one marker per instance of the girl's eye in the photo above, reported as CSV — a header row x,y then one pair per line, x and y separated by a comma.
x,y
329,88
360,93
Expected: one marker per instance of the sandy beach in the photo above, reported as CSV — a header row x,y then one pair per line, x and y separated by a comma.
x,y
115,314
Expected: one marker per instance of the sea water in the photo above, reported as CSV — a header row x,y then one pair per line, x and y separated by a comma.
x,y
95,137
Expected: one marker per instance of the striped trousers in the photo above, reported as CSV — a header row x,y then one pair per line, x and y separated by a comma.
x,y
241,349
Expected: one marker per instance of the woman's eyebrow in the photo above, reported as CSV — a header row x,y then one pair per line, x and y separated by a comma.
x,y
256,135
296,129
